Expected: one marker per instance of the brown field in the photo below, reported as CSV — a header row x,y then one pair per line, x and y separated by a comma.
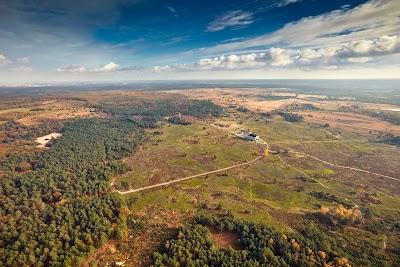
x,y
62,106
251,99
350,122
248,97
57,109
224,239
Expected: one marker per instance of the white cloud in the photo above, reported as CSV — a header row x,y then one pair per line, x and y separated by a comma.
x,y
24,59
109,67
373,19
72,68
286,2
381,46
173,11
359,59
4,60
277,57
234,18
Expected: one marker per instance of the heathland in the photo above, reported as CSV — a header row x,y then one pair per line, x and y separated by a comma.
x,y
163,178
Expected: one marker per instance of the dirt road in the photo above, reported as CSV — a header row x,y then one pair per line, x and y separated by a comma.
x,y
187,178
345,167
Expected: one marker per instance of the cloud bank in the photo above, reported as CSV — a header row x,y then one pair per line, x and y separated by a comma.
x,y
355,52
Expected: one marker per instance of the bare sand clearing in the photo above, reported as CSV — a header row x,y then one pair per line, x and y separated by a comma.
x,y
224,239
45,139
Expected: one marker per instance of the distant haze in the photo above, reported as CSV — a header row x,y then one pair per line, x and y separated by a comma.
x,y
384,87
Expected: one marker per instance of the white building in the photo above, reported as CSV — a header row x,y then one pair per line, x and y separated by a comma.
x,y
252,137
248,135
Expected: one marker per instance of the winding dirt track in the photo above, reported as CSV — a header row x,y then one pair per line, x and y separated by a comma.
x,y
187,178
345,167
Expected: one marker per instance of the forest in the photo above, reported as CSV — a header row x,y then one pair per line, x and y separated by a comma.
x,y
290,117
260,245
59,212
156,109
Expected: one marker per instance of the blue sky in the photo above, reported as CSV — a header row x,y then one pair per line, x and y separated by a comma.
x,y
105,40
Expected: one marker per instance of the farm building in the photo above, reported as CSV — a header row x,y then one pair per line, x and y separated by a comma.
x,y
252,137
249,136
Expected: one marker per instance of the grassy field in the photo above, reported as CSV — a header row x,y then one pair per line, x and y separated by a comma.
x,y
178,151
275,190
12,110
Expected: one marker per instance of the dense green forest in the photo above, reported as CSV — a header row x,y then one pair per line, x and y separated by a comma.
x,y
260,245
290,117
157,109
390,139
60,211
276,97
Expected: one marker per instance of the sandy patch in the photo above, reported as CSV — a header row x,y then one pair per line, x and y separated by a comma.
x,y
45,139
224,239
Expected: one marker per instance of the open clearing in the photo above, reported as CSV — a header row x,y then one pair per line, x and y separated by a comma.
x,y
224,239
45,139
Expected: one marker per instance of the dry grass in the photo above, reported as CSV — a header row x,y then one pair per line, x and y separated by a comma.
x,y
350,122
251,98
224,239
248,97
